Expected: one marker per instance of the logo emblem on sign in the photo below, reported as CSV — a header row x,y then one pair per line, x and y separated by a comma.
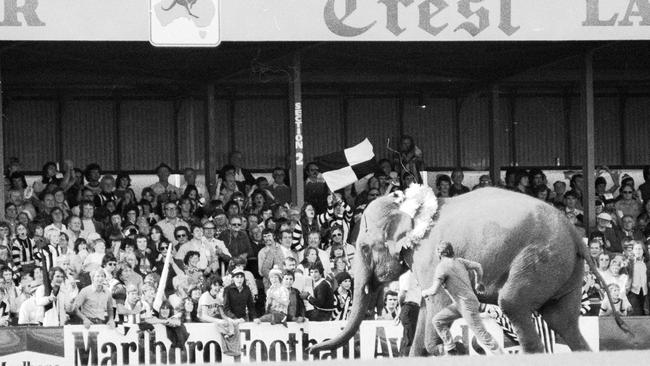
x,y
184,23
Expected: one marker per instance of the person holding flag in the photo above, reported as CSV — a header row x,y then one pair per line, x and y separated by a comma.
x,y
53,297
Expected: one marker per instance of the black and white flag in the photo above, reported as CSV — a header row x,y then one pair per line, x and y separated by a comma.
x,y
342,168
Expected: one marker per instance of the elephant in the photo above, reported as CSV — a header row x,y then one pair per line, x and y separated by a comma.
x,y
532,258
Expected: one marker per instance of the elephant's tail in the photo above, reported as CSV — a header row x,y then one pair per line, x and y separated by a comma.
x,y
583,252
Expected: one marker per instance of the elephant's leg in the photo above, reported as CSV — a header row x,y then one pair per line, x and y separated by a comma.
x,y
516,307
563,315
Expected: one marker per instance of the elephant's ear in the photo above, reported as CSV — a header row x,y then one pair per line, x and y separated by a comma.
x,y
397,226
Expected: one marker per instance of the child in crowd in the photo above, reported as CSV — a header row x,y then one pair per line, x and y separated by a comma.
x,y
620,306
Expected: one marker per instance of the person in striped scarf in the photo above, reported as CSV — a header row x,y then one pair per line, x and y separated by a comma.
x,y
24,250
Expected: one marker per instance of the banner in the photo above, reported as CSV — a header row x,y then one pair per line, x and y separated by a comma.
x,y
330,20
99,345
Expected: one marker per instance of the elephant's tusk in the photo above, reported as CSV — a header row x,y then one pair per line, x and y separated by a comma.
x,y
365,289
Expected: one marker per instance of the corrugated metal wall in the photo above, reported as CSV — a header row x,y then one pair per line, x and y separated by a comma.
x,y
539,130
261,132
151,130
88,133
147,130
321,122
375,118
221,143
30,131
191,135
432,129
637,131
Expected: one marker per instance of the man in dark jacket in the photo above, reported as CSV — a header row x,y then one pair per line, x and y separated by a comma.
x,y
238,299
323,298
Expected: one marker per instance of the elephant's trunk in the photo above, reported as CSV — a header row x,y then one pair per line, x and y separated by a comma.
x,y
364,292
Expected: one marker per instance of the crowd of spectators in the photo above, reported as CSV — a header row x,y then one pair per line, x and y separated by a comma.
x,y
80,247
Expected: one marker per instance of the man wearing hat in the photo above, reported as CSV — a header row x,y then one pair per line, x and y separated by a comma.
x,y
238,299
604,225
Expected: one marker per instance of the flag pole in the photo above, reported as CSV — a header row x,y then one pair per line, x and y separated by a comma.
x,y
163,280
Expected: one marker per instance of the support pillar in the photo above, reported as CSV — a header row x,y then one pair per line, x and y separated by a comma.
x,y
297,163
210,140
590,161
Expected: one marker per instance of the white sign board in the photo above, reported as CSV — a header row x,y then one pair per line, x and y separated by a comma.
x,y
184,23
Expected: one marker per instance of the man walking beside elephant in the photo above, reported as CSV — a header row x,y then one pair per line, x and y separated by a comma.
x,y
452,274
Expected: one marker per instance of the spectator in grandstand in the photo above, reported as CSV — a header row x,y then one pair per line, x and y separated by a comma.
x,y
144,254
628,204
342,296
621,306
277,300
604,226
56,219
57,303
596,247
187,211
638,274
97,251
296,307
163,188
279,189
249,279
257,201
220,251
408,161
123,185
92,174
391,306
338,247
557,196
89,224
130,309
12,291
315,188
107,192
616,275
443,186
171,222
235,239
340,264
323,298
269,257
457,188
199,245
5,307
211,310
628,230
603,263
238,299
540,192
483,181
189,177
522,184
571,210
24,250
285,244
94,303
644,188
243,177
311,257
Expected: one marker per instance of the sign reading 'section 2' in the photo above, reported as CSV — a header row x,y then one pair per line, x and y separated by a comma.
x,y
329,20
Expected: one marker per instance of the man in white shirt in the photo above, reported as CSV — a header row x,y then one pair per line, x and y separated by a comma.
x,y
171,222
